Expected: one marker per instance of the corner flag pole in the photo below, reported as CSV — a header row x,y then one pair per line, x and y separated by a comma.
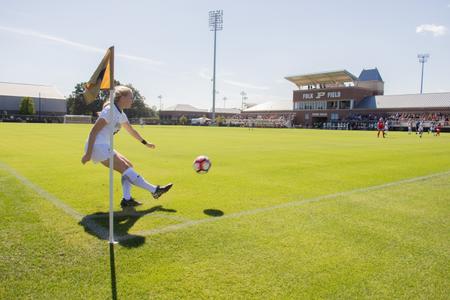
x,y
111,149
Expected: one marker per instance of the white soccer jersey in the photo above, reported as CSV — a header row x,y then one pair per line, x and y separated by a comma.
x,y
119,118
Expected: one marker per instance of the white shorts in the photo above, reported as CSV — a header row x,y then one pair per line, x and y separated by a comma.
x,y
100,152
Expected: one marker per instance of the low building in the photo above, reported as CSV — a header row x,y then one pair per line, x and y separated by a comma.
x,y
47,100
172,114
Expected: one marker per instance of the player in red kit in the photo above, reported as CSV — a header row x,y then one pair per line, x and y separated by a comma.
x,y
438,129
380,127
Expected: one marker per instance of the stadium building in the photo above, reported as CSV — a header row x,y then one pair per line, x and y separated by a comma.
x,y
327,99
48,101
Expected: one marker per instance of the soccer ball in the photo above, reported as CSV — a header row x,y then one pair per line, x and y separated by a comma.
x,y
201,164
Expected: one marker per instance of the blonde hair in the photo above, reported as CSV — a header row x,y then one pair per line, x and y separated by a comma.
x,y
119,91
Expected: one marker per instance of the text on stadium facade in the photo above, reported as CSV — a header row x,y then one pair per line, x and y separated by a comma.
x,y
319,95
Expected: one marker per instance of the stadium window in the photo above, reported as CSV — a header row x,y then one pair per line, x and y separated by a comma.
x,y
344,104
322,105
332,105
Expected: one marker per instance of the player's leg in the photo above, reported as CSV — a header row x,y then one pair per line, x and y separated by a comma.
x,y
131,175
123,158
126,184
120,165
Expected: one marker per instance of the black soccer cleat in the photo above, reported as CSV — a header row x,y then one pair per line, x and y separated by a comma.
x,y
161,190
128,203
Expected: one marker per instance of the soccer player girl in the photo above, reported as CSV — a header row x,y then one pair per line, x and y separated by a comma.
x,y
98,145
380,127
420,130
438,129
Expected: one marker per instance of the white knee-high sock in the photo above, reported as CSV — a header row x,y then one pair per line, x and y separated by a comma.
x,y
138,180
126,188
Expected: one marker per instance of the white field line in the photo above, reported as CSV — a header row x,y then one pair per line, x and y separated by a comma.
x,y
103,232
180,226
44,194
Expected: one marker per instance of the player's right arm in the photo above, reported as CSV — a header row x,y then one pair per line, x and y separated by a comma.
x,y
92,135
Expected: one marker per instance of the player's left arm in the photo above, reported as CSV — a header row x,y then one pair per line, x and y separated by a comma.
x,y
136,135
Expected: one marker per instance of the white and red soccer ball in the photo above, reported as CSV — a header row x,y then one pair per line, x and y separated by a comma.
x,y
201,164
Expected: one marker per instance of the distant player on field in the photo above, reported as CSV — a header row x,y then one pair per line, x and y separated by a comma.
x,y
98,145
380,127
420,129
438,129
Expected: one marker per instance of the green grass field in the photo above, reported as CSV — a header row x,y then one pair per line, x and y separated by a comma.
x,y
306,214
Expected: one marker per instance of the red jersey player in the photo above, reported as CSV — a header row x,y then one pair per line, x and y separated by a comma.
x,y
380,127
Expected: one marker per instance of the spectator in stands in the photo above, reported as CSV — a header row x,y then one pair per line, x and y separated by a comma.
x,y
417,126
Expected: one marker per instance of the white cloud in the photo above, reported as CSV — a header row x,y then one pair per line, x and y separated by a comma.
x,y
246,85
436,30
75,44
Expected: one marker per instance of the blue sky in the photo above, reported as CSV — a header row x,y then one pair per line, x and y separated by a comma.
x,y
165,47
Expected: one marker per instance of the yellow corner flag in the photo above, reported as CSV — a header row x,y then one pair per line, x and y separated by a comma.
x,y
102,79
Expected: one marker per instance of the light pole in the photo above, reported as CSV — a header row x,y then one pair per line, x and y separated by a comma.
x,y
243,95
160,102
224,100
422,59
215,24
39,106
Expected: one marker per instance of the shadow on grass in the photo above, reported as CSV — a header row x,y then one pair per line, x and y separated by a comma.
x,y
213,212
97,224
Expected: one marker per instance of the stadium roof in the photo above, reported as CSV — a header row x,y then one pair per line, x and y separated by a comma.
x,y
406,101
322,78
227,110
271,106
30,90
184,107
370,75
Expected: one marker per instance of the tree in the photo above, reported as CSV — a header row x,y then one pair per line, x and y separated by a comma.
x,y
77,106
27,106
139,109
183,120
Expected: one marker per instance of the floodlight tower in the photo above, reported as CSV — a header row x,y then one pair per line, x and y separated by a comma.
x,y
160,102
422,59
215,24
243,95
